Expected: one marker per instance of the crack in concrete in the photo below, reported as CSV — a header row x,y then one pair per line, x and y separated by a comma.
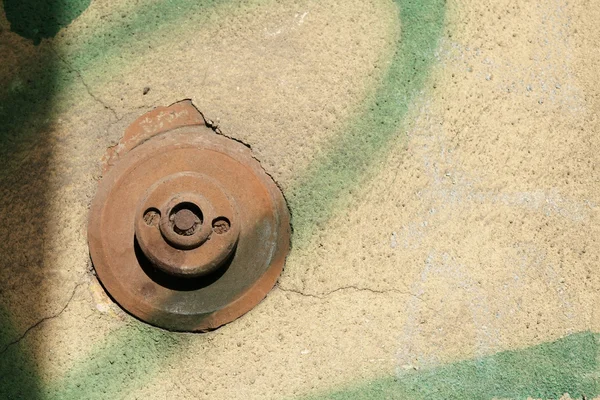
x,y
87,87
97,99
215,127
350,287
41,321
322,296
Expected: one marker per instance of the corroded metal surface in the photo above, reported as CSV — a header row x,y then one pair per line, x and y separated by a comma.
x,y
186,231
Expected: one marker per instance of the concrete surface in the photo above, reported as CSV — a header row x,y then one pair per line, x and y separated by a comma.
x,y
440,159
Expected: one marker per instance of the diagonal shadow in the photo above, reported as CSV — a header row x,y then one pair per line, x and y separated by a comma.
x,y
411,66
42,19
24,152
29,77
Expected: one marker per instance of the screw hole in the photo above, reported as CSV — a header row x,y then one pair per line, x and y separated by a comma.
x,y
221,225
151,217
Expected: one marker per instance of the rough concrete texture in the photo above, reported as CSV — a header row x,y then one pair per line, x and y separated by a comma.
x,y
440,161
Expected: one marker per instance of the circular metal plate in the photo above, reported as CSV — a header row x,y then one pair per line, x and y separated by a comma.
x,y
257,221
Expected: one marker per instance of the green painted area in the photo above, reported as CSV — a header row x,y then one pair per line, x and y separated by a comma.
x,y
122,39
38,19
547,371
128,359
324,187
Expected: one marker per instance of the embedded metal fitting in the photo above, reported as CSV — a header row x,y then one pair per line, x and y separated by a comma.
x,y
186,231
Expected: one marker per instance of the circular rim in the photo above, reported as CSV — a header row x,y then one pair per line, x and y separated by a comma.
x,y
182,242
200,253
250,292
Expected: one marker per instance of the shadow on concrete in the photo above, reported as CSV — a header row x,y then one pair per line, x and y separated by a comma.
x,y
29,83
42,19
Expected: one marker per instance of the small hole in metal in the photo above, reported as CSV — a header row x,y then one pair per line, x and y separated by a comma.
x,y
221,225
151,216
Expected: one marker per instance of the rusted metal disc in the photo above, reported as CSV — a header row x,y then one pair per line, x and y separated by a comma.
x,y
186,232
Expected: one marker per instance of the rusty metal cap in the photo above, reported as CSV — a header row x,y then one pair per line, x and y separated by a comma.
x,y
187,231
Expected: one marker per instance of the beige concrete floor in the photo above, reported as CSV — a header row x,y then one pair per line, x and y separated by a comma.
x,y
472,229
